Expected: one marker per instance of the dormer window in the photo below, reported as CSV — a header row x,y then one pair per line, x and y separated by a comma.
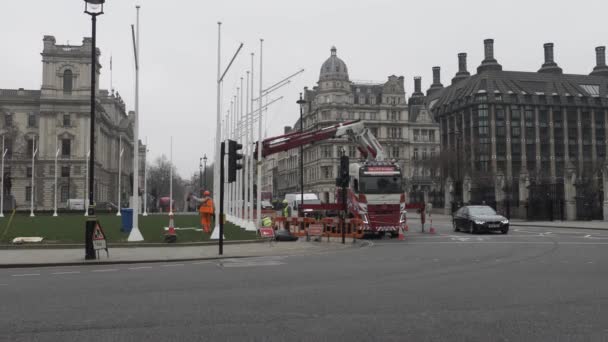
x,y
67,81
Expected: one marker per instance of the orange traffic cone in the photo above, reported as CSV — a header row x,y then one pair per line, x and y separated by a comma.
x,y
432,229
170,236
401,235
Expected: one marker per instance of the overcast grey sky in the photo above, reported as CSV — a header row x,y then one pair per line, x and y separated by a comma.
x,y
375,38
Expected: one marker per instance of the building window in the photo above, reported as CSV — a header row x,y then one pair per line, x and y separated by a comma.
x,y
416,135
415,156
433,153
66,147
373,116
394,132
432,136
28,171
352,152
67,81
65,171
30,147
395,152
395,115
65,194
66,120
327,172
8,120
31,120
325,115
326,151
8,147
424,154
28,193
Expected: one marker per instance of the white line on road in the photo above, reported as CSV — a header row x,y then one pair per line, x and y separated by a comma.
x,y
106,270
3,284
67,272
139,268
171,265
26,275
201,263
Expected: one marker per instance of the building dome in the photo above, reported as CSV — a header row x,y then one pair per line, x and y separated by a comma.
x,y
333,68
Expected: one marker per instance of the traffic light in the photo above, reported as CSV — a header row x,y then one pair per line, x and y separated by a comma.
x,y
233,159
344,176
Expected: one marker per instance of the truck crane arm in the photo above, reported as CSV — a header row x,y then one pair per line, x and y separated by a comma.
x,y
355,131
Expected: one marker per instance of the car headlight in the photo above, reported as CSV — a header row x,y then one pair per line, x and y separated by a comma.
x,y
479,222
505,221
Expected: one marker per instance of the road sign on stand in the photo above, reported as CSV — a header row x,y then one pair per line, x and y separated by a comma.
x,y
99,239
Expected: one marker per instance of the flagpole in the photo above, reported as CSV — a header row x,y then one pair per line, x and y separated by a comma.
x,y
259,161
135,234
56,156
2,190
34,151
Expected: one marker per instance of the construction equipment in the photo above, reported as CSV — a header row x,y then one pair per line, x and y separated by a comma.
x,y
374,193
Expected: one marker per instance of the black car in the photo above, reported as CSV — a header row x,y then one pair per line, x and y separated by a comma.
x,y
479,218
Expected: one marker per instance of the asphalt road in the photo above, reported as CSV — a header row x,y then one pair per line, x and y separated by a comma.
x,y
529,285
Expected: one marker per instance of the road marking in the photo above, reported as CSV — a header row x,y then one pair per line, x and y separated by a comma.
x,y
26,275
67,272
106,270
3,284
171,265
201,263
139,268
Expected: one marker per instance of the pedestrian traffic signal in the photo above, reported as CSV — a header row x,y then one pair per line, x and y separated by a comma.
x,y
233,159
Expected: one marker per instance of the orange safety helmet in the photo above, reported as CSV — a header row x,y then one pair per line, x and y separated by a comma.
x,y
206,193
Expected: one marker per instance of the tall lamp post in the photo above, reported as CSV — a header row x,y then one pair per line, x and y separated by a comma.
x,y
205,171
93,8
301,102
200,174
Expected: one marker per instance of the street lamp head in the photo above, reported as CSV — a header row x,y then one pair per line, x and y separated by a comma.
x,y
94,7
301,101
205,158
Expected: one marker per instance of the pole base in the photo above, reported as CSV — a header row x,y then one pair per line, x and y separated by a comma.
x,y
118,213
135,235
89,251
145,213
55,214
215,235
1,214
32,215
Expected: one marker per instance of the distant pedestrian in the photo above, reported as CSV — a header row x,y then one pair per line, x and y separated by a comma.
x,y
206,210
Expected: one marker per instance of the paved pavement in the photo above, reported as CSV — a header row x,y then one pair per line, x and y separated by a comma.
x,y
67,257
534,284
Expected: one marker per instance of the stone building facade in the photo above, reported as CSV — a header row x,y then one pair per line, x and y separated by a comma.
x,y
532,143
57,118
386,112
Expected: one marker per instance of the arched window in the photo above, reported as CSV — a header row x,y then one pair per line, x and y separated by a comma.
x,y
67,81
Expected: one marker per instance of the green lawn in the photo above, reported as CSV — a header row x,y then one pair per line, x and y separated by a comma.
x,y
69,228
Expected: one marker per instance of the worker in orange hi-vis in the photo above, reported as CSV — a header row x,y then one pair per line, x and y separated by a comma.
x,y
206,210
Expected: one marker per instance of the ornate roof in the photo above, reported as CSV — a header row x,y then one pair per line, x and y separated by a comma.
x,y
333,68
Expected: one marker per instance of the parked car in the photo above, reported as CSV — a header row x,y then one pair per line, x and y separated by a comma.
x,y
479,218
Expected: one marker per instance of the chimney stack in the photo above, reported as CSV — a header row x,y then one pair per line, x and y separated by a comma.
x,y
417,97
600,62
462,68
436,81
549,66
489,63
417,85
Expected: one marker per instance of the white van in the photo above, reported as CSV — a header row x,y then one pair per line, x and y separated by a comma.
x,y
293,201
